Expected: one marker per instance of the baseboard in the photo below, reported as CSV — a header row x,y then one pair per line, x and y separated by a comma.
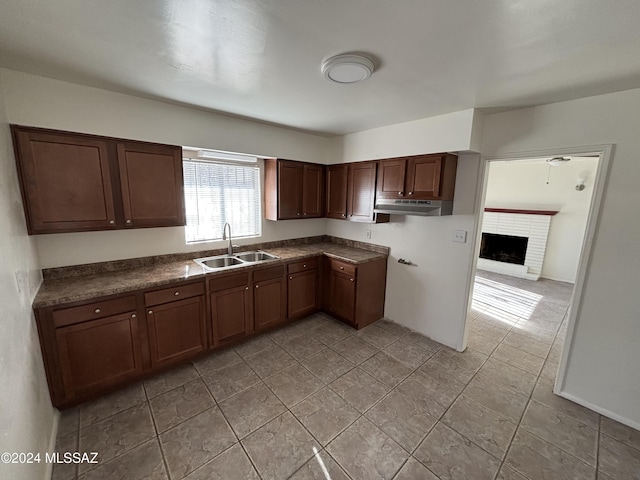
x,y
600,410
563,280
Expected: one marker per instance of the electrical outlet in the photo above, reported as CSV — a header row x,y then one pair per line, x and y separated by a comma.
x,y
367,234
459,236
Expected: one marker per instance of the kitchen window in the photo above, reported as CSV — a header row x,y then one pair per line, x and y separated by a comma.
x,y
216,193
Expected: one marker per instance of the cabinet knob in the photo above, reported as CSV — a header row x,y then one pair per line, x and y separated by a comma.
x,y
290,278
112,222
410,193
298,214
246,288
128,222
304,214
177,293
304,265
134,316
341,268
351,280
257,286
150,312
97,310
344,215
400,193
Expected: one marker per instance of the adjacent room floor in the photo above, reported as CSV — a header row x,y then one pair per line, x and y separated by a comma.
x,y
319,400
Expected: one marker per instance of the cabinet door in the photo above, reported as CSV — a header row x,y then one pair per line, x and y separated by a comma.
x,y
337,191
289,190
424,177
343,295
303,293
230,314
361,197
98,353
391,176
312,190
152,184
66,182
269,298
176,330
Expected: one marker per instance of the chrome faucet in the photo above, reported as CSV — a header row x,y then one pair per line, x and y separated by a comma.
x,y
226,236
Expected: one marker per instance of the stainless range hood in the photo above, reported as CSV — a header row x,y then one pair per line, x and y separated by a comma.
x,y
425,208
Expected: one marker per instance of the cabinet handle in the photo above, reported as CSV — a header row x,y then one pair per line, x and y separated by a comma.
x,y
150,312
400,193
112,222
410,193
351,279
128,222
177,293
134,316
97,310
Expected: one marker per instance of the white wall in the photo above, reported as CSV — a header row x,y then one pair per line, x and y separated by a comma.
x,y
603,357
26,416
430,296
43,102
523,184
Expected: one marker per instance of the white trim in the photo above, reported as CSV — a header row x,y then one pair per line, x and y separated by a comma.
x,y
600,410
604,153
48,471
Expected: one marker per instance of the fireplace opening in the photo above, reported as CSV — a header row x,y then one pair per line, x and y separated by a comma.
x,y
503,248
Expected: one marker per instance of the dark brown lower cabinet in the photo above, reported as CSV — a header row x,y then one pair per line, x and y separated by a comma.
x,y
343,295
303,293
269,297
230,301
97,354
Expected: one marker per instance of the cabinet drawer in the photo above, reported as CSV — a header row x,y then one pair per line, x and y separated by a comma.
x,y
94,310
174,293
268,273
348,268
308,264
226,282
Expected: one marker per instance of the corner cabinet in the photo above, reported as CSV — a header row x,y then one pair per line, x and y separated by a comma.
x,y
419,177
73,182
293,190
351,190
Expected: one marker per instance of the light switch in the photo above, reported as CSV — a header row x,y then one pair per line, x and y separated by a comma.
x,y
459,236
367,233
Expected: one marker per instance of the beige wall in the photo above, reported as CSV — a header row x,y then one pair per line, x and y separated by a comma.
x,y
26,415
523,184
603,355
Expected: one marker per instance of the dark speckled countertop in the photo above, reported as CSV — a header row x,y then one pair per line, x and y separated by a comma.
x,y
56,291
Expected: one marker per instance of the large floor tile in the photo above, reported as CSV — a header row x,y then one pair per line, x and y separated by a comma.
x,y
620,432
428,392
303,347
217,360
423,341
180,404
527,343
377,336
270,361
367,453
320,467
141,463
543,393
115,435
232,464
69,421
408,352
414,470
499,398
518,358
405,421
228,381
512,377
325,414
618,460
452,457
387,369
254,346
539,460
393,327
485,342
169,380
562,431
294,384
485,428
333,332
111,404
252,408
66,443
191,444
327,365
280,447
359,389
354,349
508,473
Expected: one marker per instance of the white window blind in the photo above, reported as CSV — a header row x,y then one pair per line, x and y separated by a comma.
x,y
216,193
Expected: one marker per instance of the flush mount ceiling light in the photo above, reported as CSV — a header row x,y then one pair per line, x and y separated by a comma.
x,y
347,68
555,161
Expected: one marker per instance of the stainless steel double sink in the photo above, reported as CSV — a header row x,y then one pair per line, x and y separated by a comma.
x,y
225,261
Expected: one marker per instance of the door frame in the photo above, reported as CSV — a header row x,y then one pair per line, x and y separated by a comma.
x,y
604,152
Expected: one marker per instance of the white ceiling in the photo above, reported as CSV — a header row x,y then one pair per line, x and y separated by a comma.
x,y
261,58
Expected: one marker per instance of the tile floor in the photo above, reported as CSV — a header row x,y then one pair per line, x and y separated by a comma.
x,y
318,400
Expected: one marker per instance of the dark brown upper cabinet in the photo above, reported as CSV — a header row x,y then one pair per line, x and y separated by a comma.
x,y
351,190
420,177
74,182
293,190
